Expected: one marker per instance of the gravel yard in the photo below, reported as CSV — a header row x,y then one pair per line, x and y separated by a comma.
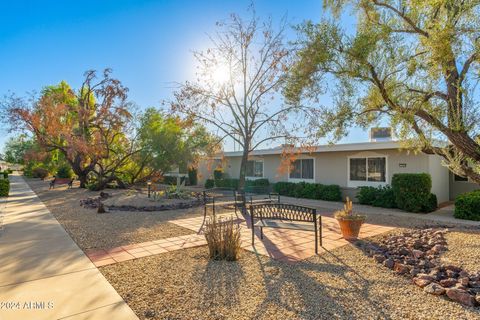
x,y
341,284
102,231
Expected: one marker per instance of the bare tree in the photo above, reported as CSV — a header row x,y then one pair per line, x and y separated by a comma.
x,y
237,83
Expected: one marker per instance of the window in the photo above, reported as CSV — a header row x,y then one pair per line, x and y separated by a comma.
x,y
460,178
254,169
302,169
368,169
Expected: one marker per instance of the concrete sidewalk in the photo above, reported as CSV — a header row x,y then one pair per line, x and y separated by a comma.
x,y
43,273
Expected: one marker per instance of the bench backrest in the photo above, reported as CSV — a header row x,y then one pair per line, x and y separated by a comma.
x,y
283,211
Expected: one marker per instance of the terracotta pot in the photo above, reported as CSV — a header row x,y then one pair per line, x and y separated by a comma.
x,y
350,228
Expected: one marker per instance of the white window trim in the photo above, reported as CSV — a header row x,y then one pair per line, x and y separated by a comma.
x,y
301,179
263,170
366,183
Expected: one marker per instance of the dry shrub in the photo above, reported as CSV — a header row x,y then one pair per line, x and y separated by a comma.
x,y
223,238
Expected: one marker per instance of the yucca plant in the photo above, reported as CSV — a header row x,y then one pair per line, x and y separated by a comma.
x,y
223,238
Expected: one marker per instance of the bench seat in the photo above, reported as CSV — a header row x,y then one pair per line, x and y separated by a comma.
x,y
284,225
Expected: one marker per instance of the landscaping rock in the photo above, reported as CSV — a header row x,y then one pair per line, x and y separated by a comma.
x,y
435,289
389,263
422,282
446,283
461,296
401,268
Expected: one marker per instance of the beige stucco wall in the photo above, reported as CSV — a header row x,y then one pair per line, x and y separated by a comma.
x,y
440,181
332,168
459,187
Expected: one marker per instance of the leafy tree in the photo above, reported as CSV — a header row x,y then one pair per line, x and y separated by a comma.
x,y
237,83
415,62
16,148
86,126
167,142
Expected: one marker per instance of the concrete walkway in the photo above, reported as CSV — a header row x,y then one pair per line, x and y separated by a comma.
x,y
43,273
444,215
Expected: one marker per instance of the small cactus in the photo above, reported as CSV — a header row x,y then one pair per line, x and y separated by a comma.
x,y
348,206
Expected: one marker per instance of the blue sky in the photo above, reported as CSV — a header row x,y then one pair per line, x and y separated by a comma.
x,y
148,44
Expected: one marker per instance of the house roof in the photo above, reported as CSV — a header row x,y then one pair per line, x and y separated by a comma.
x,y
360,146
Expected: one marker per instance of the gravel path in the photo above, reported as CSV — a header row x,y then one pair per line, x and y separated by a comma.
x,y
469,255
341,284
102,231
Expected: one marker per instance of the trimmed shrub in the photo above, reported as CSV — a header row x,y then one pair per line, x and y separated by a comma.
x,y
309,190
39,172
412,190
467,206
367,195
218,174
283,188
227,183
257,183
386,198
192,176
209,184
4,187
379,197
64,171
5,174
431,205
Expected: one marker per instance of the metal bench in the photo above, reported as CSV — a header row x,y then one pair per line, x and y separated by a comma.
x,y
285,216
240,198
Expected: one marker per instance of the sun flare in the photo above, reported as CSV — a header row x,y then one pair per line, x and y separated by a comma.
x,y
221,74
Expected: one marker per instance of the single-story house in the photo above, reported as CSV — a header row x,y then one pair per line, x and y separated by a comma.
x,y
348,165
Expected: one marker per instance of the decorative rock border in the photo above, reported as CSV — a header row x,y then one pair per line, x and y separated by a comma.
x,y
416,254
96,202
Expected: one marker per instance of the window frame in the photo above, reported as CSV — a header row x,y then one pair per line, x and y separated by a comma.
x,y
263,170
361,183
302,179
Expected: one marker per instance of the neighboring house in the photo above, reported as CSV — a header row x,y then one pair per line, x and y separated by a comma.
x,y
347,165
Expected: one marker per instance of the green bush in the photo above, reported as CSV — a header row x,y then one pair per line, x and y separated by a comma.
x,y
467,206
431,205
367,195
227,183
5,174
283,188
192,176
257,183
412,190
39,172
64,171
309,190
385,198
379,197
209,184
331,193
4,187
218,174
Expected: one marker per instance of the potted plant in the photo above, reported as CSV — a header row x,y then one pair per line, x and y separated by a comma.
x,y
350,222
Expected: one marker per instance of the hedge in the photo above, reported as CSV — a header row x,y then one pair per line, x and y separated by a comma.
x,y
412,191
227,183
378,197
5,174
209,184
4,187
467,206
309,190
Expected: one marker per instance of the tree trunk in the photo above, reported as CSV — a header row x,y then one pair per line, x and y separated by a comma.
x,y
243,170
83,180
